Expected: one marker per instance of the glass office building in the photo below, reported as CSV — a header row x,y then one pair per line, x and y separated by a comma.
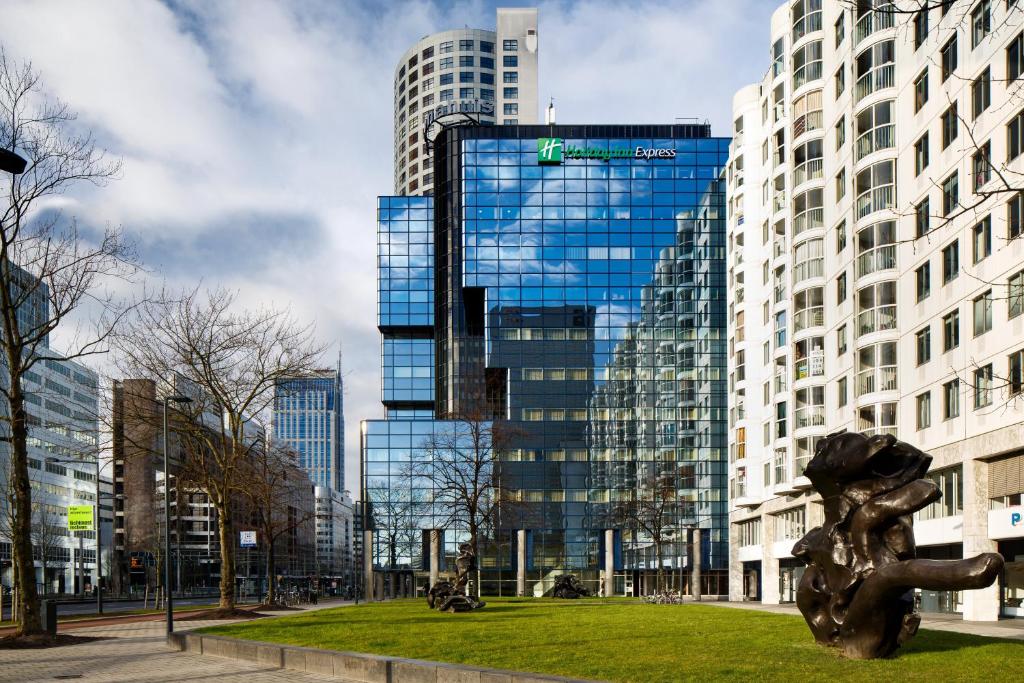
x,y
309,416
568,281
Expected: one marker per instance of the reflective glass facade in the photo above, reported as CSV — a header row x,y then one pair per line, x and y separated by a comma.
x,y
582,300
309,416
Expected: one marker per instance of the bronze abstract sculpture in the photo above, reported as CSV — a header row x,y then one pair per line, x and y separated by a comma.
x,y
569,587
451,597
856,593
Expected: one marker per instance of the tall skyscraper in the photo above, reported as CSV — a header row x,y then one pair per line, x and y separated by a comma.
x,y
875,277
580,300
309,416
490,76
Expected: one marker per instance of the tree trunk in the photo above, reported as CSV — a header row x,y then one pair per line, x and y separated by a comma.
x,y
661,566
30,622
271,578
227,556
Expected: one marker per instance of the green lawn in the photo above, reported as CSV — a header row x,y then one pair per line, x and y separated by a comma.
x,y
624,640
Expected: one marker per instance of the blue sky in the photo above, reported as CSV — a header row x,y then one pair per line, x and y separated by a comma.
x,y
256,134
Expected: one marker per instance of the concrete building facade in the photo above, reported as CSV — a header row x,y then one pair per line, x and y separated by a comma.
x,y
875,277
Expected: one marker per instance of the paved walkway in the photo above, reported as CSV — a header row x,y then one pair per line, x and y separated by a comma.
x,y
137,653
1006,628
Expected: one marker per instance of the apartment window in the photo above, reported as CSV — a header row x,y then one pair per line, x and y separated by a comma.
x,y
950,261
510,77
924,410
840,130
842,392
466,45
841,236
921,90
921,154
841,184
981,238
841,339
983,387
1015,216
920,27
951,193
1015,58
1015,136
510,45
840,28
981,92
1015,294
950,331
466,60
983,313
510,93
511,109
510,61
951,399
950,126
924,281
840,80
1015,371
949,58
922,217
981,166
841,288
923,342
981,22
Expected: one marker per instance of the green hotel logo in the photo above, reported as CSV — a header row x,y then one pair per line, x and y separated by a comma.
x,y
549,150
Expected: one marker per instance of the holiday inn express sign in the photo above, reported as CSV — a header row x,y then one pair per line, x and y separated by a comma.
x,y
554,150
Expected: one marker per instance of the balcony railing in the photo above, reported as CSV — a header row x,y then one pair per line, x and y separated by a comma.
x,y
881,137
876,319
808,220
878,78
779,202
877,20
805,74
780,292
876,379
813,267
812,120
778,248
876,431
809,170
874,260
875,199
809,317
810,416
808,23
804,369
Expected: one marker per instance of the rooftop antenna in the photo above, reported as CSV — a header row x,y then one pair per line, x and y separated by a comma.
x,y
549,113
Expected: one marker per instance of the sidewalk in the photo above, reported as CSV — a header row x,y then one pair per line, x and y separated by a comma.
x,y
136,652
1006,628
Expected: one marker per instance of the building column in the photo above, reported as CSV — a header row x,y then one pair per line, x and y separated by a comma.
x,y
368,565
609,562
769,563
435,556
737,589
981,604
521,563
696,564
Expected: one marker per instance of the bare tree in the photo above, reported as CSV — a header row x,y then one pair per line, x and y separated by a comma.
x,y
462,468
654,511
47,271
48,529
271,485
228,362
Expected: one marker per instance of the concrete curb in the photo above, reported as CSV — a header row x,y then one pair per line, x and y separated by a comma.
x,y
351,666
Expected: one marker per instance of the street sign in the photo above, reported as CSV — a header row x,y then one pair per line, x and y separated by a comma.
x,y
247,539
80,518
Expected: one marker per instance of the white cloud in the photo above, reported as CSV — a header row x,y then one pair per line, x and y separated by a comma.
x,y
257,134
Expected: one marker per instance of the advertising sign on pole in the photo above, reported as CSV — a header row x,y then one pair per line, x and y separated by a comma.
x,y
247,539
80,518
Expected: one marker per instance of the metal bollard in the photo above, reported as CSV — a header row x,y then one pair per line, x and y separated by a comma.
x,y
48,615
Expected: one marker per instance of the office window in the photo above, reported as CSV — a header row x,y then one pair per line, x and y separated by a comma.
x,y
983,387
487,94
487,78
920,27
981,238
511,109
981,166
510,60
487,62
949,58
983,313
465,77
922,217
1015,372
1015,136
447,46
841,339
951,399
446,79
923,341
841,288
924,410
950,261
447,95
428,53
924,281
921,90
511,122
510,93
1015,216
1015,58
510,45
921,154
510,77
466,45
427,69
950,331
1015,294
950,126
981,92
467,93
466,60
951,193
981,22
447,63
486,47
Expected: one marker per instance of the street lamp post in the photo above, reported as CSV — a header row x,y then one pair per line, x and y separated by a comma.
x,y
11,162
99,532
167,518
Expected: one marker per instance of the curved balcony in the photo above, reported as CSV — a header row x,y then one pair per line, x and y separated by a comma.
x,y
878,319
810,416
806,24
876,199
878,138
808,318
808,220
878,78
876,260
807,73
873,22
809,170
876,379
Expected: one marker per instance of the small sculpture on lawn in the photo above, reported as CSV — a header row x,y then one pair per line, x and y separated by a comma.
x,y
451,597
857,591
569,587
